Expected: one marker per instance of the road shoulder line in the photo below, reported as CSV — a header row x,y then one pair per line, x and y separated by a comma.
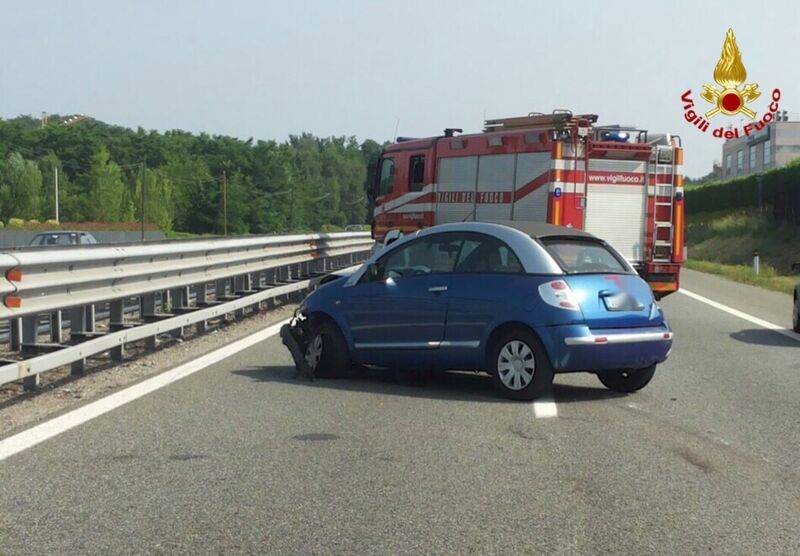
x,y
545,408
742,315
53,427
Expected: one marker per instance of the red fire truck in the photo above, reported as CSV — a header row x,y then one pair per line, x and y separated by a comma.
x,y
619,183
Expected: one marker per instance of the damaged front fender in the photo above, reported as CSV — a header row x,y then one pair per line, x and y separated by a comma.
x,y
294,336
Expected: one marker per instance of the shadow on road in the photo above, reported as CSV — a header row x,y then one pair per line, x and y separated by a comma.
x,y
568,393
764,337
463,386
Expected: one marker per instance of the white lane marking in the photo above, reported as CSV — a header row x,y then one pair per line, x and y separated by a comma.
x,y
545,408
34,435
742,315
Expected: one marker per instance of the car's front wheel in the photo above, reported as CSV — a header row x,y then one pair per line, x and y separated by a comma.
x,y
520,367
627,381
326,352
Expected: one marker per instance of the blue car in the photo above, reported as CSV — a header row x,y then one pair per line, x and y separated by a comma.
x,y
519,300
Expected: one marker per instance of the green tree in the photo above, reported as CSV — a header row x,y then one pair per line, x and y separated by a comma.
x,y
157,199
196,195
301,184
20,188
106,190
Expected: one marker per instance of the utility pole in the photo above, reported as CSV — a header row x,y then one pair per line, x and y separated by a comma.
x,y
55,176
225,201
144,189
291,209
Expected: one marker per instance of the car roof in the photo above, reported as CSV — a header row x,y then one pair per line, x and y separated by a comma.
x,y
57,232
536,230
542,229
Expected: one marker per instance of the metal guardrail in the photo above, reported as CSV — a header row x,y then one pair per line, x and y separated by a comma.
x,y
242,272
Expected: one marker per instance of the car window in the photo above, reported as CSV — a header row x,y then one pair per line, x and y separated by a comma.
x,y
580,256
386,183
482,253
55,239
424,256
416,174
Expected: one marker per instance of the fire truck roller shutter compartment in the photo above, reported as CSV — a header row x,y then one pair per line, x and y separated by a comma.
x,y
531,186
616,205
495,187
455,197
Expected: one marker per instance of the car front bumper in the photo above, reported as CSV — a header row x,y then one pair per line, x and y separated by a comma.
x,y
580,348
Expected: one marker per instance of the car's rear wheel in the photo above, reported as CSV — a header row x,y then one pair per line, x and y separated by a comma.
x,y
627,381
326,353
520,367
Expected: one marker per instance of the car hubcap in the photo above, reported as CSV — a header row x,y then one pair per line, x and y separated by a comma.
x,y
314,351
516,365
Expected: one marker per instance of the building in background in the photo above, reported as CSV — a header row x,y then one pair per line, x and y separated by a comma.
x,y
772,147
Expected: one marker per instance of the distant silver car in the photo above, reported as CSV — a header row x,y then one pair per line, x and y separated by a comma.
x,y
62,237
354,228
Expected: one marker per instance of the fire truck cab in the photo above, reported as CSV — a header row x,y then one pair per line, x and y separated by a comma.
x,y
619,183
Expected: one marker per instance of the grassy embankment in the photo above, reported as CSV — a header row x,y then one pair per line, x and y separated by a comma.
x,y
723,243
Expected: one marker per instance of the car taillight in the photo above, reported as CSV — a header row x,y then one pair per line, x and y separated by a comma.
x,y
558,294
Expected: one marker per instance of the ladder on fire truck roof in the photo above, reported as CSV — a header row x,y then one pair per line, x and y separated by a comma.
x,y
663,160
558,119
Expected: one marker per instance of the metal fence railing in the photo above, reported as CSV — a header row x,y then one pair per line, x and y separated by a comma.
x,y
172,284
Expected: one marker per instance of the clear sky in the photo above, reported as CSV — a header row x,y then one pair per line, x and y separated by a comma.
x,y
268,69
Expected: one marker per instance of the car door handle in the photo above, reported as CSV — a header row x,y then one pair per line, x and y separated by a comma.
x,y
437,289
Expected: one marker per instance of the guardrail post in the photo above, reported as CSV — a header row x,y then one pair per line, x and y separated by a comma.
x,y
56,327
77,321
221,289
90,319
147,313
241,286
116,321
201,299
30,334
178,303
31,383
15,334
81,323
238,284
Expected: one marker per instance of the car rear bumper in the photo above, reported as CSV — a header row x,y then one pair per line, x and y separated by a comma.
x,y
624,338
580,348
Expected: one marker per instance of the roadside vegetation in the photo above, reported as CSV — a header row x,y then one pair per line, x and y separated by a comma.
x,y
728,221
303,183
767,278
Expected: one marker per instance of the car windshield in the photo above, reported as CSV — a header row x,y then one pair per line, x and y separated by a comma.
x,y
583,256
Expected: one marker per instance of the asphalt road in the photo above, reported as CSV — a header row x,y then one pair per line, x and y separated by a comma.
x,y
240,457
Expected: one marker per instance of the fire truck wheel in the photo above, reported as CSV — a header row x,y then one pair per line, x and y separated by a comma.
x,y
519,366
326,352
627,381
